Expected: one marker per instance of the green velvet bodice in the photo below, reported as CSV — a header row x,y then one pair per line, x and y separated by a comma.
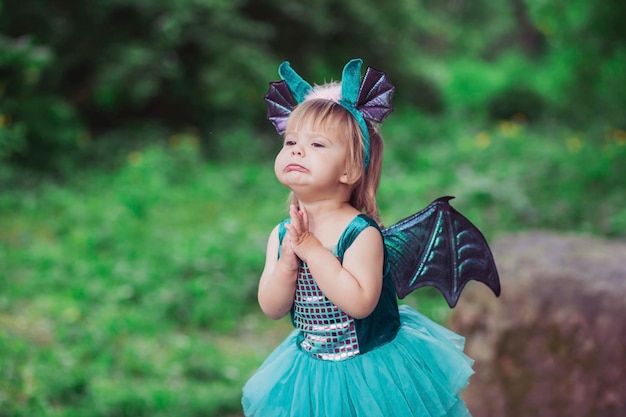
x,y
328,333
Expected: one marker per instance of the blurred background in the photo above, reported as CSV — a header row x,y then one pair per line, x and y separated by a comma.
x,y
136,175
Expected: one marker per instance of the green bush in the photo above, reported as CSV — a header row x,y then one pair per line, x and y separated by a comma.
x,y
114,291
74,76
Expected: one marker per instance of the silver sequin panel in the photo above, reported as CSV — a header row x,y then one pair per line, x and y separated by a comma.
x,y
329,333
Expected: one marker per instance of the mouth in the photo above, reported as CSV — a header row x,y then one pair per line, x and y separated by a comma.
x,y
295,167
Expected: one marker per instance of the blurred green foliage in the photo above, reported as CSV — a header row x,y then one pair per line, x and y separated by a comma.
x,y
133,292
119,287
137,190
72,74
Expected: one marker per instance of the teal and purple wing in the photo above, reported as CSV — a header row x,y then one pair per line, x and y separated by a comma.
x,y
280,104
441,248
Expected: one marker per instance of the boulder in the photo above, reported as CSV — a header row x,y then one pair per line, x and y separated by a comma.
x,y
554,343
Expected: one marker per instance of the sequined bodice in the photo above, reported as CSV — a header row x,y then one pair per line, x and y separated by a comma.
x,y
327,332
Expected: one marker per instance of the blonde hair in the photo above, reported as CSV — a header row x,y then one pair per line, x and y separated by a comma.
x,y
324,114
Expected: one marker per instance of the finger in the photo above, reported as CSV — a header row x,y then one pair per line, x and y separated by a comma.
x,y
296,220
291,232
305,219
291,236
288,242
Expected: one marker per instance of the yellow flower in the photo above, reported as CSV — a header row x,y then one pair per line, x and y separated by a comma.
x,y
509,129
483,140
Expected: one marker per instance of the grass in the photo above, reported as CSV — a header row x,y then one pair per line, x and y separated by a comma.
x,y
132,292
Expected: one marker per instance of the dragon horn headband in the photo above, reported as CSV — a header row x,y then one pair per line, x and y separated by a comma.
x,y
367,99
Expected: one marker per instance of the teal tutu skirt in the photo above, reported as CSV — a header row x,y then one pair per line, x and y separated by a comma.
x,y
421,372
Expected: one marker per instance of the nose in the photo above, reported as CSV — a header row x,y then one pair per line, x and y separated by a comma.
x,y
297,151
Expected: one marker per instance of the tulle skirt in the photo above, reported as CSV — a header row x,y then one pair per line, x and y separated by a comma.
x,y
421,372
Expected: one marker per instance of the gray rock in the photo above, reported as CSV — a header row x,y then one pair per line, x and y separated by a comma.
x,y
554,343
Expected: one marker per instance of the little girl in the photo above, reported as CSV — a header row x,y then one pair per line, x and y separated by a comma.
x,y
353,351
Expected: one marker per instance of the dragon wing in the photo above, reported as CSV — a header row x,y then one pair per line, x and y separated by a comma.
x,y
375,94
439,247
280,104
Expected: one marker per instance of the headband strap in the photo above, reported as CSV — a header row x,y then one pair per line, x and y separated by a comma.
x,y
350,86
369,98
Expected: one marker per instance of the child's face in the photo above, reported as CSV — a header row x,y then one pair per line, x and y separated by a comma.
x,y
313,159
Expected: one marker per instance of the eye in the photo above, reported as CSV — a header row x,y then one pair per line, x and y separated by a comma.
x,y
318,145
289,142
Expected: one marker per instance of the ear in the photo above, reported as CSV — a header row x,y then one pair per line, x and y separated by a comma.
x,y
350,177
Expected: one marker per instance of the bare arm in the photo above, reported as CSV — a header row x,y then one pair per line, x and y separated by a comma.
x,y
353,286
278,281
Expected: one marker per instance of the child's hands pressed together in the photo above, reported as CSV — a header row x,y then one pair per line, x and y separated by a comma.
x,y
288,257
300,239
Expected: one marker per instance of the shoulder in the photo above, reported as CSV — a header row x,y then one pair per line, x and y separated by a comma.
x,y
275,239
361,228
358,225
367,221
281,229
